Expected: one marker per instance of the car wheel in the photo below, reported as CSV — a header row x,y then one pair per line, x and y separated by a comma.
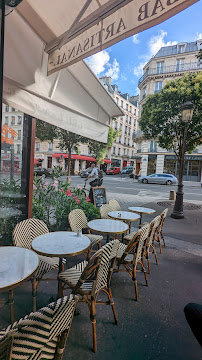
x,y
145,181
169,182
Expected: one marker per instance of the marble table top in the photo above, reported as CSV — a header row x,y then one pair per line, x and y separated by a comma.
x,y
142,210
16,265
60,244
124,215
106,226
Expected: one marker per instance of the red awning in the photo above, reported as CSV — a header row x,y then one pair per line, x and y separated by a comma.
x,y
75,157
107,161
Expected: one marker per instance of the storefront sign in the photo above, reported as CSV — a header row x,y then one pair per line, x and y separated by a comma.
x,y
187,157
117,23
4,134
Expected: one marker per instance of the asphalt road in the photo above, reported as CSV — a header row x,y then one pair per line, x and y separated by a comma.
x,y
116,184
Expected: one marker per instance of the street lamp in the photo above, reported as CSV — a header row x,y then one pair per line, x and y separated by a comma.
x,y
187,110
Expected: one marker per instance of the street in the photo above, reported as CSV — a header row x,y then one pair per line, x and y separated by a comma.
x,y
143,193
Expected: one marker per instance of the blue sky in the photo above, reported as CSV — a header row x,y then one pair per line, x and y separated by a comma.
x,y
124,60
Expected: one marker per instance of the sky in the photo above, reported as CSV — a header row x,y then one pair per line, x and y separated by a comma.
x,y
124,61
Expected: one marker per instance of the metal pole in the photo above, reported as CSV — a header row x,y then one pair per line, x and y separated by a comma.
x,y
1,65
178,207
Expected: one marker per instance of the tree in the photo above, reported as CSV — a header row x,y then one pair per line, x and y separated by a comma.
x,y
99,150
67,139
161,116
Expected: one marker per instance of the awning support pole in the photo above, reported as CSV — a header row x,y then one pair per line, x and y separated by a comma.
x,y
2,65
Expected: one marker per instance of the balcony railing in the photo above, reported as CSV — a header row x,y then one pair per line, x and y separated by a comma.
x,y
171,69
137,134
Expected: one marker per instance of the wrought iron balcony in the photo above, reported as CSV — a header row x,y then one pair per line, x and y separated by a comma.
x,y
138,136
171,69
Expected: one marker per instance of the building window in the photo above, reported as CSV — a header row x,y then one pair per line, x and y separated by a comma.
x,y
159,67
19,134
13,109
121,103
132,152
124,151
144,93
129,131
181,49
128,142
6,120
126,106
7,108
126,130
158,86
50,146
119,151
119,139
130,120
180,65
117,101
18,148
115,125
37,146
130,108
125,140
114,150
134,111
12,120
126,118
120,127
127,151
19,120
153,146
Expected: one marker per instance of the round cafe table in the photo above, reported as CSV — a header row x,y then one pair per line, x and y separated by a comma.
x,y
16,265
61,244
124,216
107,226
141,210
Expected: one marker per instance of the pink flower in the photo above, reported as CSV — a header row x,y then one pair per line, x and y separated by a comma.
x,y
79,187
46,183
87,198
62,190
75,197
77,201
56,181
68,193
34,187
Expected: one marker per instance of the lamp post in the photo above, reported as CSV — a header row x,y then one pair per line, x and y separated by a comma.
x,y
187,113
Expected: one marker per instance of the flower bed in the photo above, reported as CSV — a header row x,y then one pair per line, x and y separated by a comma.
x,y
54,200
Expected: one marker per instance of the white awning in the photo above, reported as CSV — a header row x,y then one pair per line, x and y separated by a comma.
x,y
72,98
75,29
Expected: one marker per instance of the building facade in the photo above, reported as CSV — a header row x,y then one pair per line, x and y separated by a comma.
x,y
170,63
124,149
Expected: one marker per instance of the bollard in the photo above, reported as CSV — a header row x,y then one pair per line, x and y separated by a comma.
x,y
172,195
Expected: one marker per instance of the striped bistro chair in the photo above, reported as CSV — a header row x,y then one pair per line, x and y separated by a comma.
x,y
154,225
23,235
39,335
78,222
88,278
114,205
104,211
130,255
160,232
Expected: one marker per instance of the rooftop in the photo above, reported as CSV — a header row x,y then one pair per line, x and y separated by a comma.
x,y
179,48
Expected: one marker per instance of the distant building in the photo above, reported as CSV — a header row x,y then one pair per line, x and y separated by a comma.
x,y
170,63
124,149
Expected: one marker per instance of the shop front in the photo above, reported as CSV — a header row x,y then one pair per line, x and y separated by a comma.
x,y
192,167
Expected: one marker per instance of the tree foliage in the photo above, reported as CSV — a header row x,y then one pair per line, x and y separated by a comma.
x,y
161,116
99,150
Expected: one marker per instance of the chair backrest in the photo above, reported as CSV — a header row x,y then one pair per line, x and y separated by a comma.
x,y
114,205
104,210
154,225
136,244
77,220
163,217
27,230
97,273
37,336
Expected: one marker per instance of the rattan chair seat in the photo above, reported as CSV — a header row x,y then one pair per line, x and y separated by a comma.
x,y
130,236
94,239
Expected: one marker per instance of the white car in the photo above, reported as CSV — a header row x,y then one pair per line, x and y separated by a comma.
x,y
167,179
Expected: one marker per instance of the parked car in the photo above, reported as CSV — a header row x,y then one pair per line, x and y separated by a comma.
x,y
127,170
113,171
42,172
167,179
86,172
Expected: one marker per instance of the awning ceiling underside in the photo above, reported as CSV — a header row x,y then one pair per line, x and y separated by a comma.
x,y
72,98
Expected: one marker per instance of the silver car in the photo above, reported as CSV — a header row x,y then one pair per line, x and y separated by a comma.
x,y
167,179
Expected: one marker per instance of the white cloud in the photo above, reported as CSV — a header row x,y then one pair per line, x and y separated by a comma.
x,y
198,36
135,39
98,62
157,41
138,70
113,70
